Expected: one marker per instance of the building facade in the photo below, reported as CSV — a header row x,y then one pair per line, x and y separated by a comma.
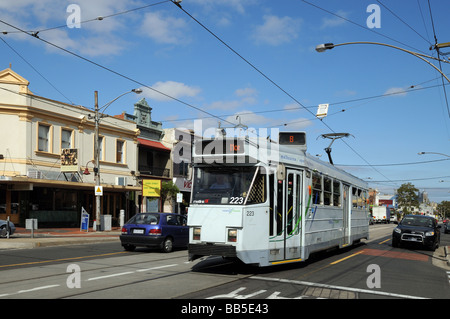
x,y
154,161
47,165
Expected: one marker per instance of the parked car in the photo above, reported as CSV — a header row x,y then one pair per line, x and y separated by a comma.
x,y
417,229
447,228
3,230
160,230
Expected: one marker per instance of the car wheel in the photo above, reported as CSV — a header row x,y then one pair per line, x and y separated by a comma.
x,y
167,245
129,247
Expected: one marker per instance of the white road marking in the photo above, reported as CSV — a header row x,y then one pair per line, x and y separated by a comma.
x,y
113,275
159,267
312,284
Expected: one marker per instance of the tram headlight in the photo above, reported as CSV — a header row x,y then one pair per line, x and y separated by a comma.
x,y
232,235
196,233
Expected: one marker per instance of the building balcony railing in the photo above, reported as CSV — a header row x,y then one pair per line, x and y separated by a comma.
x,y
154,171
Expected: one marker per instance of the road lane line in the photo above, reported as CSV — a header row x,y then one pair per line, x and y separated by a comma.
x,y
158,267
29,290
37,288
113,275
338,261
384,241
62,259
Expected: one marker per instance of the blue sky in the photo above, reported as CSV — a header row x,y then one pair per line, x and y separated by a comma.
x,y
391,102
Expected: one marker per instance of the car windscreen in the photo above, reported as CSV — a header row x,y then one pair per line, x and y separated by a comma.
x,y
229,185
145,219
417,221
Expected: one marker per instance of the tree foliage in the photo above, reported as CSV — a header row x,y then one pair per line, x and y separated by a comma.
x,y
407,197
444,208
168,191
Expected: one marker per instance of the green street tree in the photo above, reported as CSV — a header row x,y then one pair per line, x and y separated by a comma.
x,y
168,191
444,208
407,198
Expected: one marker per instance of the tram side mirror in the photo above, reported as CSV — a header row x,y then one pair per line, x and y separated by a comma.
x,y
281,172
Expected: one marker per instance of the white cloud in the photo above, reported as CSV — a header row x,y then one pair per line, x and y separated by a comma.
x,y
236,5
335,21
277,30
170,88
164,29
396,91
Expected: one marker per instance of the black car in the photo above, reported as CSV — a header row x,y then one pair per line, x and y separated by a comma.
x,y
419,229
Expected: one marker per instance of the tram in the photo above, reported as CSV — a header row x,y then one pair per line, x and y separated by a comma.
x,y
271,203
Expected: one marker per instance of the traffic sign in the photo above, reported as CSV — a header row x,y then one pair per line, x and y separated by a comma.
x,y
98,190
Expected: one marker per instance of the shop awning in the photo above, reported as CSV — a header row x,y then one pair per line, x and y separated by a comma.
x,y
153,144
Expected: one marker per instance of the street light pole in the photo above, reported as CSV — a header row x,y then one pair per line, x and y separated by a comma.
x,y
97,118
97,165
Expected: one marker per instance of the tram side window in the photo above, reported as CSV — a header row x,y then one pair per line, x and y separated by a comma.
x,y
317,189
360,199
336,193
327,194
354,197
365,199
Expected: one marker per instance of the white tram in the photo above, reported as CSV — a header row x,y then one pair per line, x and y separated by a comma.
x,y
271,203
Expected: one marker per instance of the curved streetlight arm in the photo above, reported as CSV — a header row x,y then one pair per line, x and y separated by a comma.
x,y
329,46
422,153
104,107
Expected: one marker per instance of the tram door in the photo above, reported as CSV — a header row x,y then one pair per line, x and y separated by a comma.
x,y
346,205
285,243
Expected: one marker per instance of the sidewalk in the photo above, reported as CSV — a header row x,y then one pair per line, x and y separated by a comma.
x,y
57,237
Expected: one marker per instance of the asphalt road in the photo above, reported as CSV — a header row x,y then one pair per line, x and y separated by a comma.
x,y
370,270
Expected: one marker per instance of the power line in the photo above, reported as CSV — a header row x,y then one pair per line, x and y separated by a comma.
x,y
115,72
360,25
439,54
30,65
404,22
99,18
270,80
398,164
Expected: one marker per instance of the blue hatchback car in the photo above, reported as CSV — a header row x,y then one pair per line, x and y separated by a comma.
x,y
160,230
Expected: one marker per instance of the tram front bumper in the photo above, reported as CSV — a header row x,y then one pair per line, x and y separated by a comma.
x,y
210,249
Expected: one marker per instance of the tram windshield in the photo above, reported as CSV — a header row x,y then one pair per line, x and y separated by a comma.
x,y
229,185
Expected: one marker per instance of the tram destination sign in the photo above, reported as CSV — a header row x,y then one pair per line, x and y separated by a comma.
x,y
219,147
292,138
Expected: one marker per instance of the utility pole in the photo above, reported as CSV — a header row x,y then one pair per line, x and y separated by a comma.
x,y
97,164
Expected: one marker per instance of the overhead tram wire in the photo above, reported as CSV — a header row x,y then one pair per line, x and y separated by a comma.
x,y
116,73
411,88
404,22
271,81
40,74
438,55
361,26
98,18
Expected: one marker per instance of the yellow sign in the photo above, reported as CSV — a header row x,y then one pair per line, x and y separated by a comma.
x,y
151,187
98,190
